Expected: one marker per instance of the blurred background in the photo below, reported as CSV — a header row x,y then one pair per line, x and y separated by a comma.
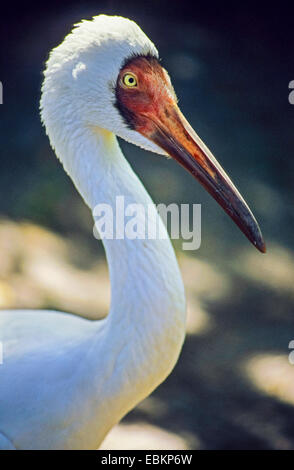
x,y
231,64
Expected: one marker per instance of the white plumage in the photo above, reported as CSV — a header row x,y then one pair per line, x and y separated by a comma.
x,y
66,381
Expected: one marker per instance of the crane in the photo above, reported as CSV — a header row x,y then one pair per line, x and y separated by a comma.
x,y
65,380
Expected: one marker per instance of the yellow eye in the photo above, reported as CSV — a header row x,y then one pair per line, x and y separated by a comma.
x,y
130,80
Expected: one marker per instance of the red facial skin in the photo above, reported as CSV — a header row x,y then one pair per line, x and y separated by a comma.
x,y
150,108
153,102
152,96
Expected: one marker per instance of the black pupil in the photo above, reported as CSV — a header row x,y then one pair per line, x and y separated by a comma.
x,y
131,80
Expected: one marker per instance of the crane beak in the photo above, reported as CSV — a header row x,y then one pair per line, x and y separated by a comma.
x,y
172,132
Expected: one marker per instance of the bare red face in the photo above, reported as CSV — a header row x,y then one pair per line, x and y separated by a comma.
x,y
142,88
147,102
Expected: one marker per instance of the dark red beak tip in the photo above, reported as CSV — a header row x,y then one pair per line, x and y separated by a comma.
x,y
261,246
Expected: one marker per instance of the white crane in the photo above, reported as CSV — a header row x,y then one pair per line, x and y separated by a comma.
x,y
65,381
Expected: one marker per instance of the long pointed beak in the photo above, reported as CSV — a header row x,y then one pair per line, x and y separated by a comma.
x,y
173,133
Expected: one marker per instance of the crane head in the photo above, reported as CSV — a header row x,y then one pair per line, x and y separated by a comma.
x,y
106,73
147,101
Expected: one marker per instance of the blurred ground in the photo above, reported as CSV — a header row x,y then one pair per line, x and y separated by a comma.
x,y
233,386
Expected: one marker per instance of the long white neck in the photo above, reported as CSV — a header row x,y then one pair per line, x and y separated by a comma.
x,y
145,328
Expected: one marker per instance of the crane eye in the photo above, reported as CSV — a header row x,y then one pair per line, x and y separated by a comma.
x,y
130,80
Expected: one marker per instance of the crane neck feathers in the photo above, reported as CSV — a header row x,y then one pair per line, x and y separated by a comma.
x,y
147,293
81,120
